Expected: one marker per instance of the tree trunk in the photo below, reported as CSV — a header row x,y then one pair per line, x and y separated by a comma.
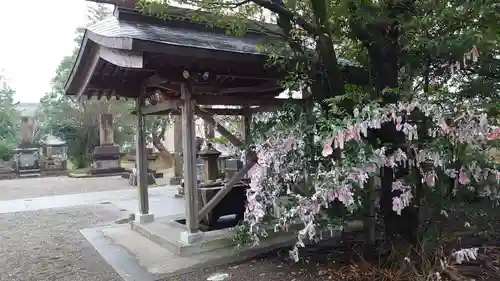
x,y
165,156
383,50
381,41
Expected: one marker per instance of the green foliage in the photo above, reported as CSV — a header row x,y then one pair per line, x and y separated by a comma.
x,y
77,122
407,46
9,121
9,115
6,150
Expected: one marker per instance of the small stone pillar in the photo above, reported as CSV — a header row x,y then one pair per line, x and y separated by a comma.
x,y
27,128
210,166
106,156
106,134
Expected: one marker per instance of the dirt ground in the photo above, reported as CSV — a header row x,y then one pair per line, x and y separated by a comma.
x,y
46,245
50,186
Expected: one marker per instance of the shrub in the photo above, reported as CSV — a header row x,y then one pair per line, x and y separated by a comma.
x,y
6,150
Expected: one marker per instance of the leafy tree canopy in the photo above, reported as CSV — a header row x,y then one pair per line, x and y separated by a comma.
x,y
77,121
9,120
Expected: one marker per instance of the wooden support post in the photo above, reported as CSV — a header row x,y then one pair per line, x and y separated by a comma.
x,y
251,160
369,223
208,129
245,124
189,157
142,164
178,164
245,130
227,188
310,121
223,131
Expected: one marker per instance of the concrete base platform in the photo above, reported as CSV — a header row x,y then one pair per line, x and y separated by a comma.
x,y
135,257
153,251
88,175
170,234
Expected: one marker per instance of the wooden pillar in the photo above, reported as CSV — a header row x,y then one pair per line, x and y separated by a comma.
x,y
310,121
178,152
209,129
189,159
370,220
142,165
245,131
245,125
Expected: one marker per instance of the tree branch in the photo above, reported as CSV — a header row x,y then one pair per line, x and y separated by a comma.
x,y
287,14
236,5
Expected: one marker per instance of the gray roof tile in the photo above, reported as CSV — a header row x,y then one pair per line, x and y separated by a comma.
x,y
113,27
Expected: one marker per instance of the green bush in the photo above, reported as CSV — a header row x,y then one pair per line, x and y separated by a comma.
x,y
6,150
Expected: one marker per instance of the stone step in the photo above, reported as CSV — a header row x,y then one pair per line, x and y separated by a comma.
x,y
167,232
28,175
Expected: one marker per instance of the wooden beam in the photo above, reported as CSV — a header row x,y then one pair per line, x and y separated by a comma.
x,y
141,157
176,65
189,155
227,188
223,131
88,70
124,59
246,77
268,108
240,111
246,123
164,84
224,111
266,87
243,101
170,87
163,106
178,166
212,88
155,80
208,130
246,131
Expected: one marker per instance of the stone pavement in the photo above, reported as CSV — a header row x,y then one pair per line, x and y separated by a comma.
x,y
51,186
162,201
42,234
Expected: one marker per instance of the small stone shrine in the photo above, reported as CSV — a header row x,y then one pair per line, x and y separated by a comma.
x,y
54,156
232,204
27,157
106,157
131,174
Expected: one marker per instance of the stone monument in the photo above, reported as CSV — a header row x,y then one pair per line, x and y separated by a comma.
x,y
27,158
131,174
54,155
106,156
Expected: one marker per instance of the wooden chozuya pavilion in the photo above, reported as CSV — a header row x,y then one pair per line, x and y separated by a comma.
x,y
172,64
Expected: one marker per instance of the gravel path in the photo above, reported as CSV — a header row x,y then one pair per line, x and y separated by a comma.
x,y
37,187
47,245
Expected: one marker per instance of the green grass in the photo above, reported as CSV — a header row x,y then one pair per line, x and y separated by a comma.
x,y
72,169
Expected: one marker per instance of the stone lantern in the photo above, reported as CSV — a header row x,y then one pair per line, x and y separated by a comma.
x,y
209,155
